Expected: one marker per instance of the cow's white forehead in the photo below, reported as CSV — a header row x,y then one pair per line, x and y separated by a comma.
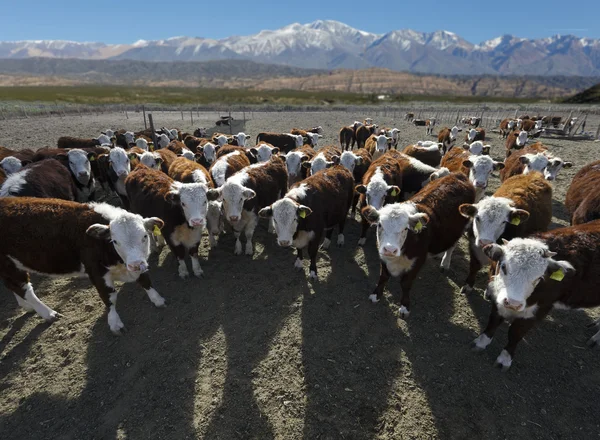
x,y
319,163
293,161
11,164
142,143
127,228
524,258
264,152
482,164
348,160
149,159
491,208
118,155
284,210
190,192
395,216
537,162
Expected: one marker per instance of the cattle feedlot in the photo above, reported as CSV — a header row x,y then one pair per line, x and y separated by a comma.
x,y
257,350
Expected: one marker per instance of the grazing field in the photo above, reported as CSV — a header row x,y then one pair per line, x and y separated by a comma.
x,y
257,351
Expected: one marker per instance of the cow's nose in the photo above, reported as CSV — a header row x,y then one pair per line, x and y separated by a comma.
x,y
122,173
196,222
233,218
284,243
82,174
549,178
137,266
512,304
480,184
390,250
483,242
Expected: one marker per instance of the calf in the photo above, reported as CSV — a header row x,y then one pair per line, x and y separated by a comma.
x,y
284,141
363,133
304,133
157,160
430,154
226,166
264,152
533,158
313,139
11,165
347,138
558,269
248,191
309,210
376,145
72,142
124,139
477,168
447,137
506,127
325,158
294,160
45,179
409,117
429,124
429,223
105,243
516,140
394,133
477,148
182,207
475,134
186,171
521,206
240,139
415,174
208,152
118,166
583,196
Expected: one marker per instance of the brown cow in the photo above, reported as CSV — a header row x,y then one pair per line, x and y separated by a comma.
x,y
48,178
430,155
516,140
447,137
363,133
583,196
227,165
294,160
535,157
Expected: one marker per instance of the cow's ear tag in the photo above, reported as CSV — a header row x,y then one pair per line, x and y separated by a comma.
x,y
516,221
156,231
558,275
302,214
418,226
394,192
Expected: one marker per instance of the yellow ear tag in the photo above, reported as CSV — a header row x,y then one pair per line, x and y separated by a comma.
x,y
156,231
302,214
92,159
558,275
394,192
516,221
418,226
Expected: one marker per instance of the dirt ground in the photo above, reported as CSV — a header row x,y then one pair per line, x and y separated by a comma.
x,y
256,351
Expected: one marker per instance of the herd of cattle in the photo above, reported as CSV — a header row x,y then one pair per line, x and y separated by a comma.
x,y
422,200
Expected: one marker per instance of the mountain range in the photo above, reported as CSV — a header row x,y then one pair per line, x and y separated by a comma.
x,y
328,45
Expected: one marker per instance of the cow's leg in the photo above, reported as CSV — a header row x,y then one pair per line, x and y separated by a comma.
x,y
144,281
406,283
298,263
384,276
108,295
476,259
313,250
180,252
198,272
446,259
341,225
238,244
249,232
364,227
354,205
484,339
327,241
517,330
24,304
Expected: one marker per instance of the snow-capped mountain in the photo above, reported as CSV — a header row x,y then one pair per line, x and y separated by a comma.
x,y
328,44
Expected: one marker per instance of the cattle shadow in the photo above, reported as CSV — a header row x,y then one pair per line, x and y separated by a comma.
x,y
560,212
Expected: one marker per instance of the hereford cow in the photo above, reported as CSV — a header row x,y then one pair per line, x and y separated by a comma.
x,y
430,154
294,160
117,166
363,133
284,141
48,179
72,142
240,139
264,152
347,138
407,232
447,137
310,210
583,196
516,140
429,124
477,168
226,166
533,158
247,192
325,158
558,269
475,134
182,207
208,154
11,165
521,206
506,127
186,171
108,244
376,145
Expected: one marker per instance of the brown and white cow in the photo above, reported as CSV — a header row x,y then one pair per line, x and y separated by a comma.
x,y
227,165
429,223
521,206
347,138
534,157
310,210
516,140
506,127
106,243
558,269
294,160
376,145
363,132
583,196
429,124
48,179
182,207
325,158
117,166
429,154
475,134
447,137
284,141
247,192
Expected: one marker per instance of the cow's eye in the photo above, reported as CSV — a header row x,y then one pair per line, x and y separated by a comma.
x,y
116,243
145,238
477,219
503,267
183,204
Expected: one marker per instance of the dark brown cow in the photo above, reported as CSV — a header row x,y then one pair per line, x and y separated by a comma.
x,y
310,210
294,160
430,155
516,140
108,244
555,269
182,207
25,155
284,141
447,137
583,196
347,138
48,179
429,223
521,206
72,142
363,133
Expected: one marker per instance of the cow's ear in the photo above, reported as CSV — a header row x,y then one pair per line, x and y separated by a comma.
x,y
275,151
248,194
517,216
91,156
524,160
98,231
417,221
361,189
393,191
567,164
200,148
493,251
303,211
172,198
266,212
153,222
467,210
335,159
486,150
499,166
358,160
558,269
467,164
159,161
306,165
213,194
370,214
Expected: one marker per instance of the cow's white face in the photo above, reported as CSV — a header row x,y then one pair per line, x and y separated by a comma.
x,y
490,217
511,124
10,165
393,224
319,163
393,133
554,166
193,199
142,143
313,139
480,168
233,194
162,140
80,165
129,235
129,137
369,121
242,138
104,139
264,153
151,160
109,133
522,264
214,217
318,130
377,190
210,152
472,134
476,148
519,123
534,162
286,214
298,139
349,160
221,140
522,138
188,154
119,161
381,143
172,134
453,133
293,161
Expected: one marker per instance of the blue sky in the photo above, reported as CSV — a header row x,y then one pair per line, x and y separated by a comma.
x,y
127,21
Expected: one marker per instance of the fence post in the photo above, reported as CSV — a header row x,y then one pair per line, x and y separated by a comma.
x,y
230,123
144,111
192,117
153,132
182,115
